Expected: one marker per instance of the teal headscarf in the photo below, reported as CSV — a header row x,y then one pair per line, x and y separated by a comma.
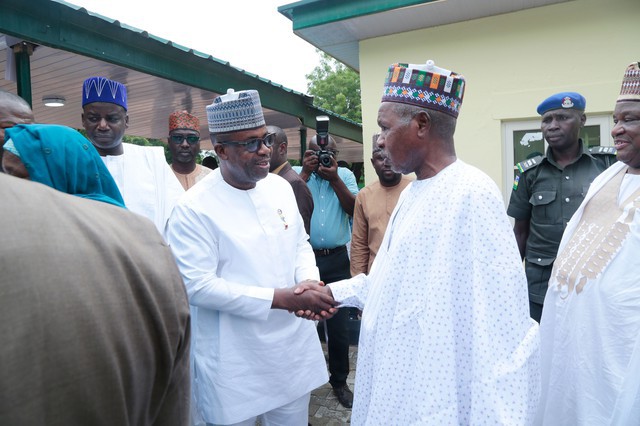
x,y
60,157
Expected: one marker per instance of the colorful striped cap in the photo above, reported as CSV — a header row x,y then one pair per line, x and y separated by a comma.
x,y
235,111
426,86
630,90
101,89
183,120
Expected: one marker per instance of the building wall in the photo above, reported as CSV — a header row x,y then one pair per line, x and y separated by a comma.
x,y
511,63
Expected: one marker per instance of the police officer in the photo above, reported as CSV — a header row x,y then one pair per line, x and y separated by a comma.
x,y
548,189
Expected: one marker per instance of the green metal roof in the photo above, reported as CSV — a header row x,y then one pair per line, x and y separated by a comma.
x,y
311,13
69,28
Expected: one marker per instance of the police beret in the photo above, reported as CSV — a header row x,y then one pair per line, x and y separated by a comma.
x,y
563,100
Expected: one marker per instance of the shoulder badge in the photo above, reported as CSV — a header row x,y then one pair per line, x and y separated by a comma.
x,y
603,150
525,165
516,181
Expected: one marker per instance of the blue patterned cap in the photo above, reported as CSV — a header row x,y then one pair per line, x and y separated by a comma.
x,y
235,111
563,100
101,89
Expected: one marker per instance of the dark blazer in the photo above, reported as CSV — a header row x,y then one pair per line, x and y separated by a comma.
x,y
302,193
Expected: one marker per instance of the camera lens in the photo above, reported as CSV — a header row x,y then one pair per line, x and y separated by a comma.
x,y
324,158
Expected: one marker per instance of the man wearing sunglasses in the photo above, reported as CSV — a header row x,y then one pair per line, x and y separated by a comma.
x,y
142,174
241,247
184,144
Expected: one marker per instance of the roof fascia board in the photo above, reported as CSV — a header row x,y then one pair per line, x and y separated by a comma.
x,y
62,27
312,13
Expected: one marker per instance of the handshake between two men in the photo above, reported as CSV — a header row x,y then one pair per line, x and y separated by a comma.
x,y
309,299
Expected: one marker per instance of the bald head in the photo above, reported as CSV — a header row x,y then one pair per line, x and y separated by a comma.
x,y
13,110
279,147
7,98
313,144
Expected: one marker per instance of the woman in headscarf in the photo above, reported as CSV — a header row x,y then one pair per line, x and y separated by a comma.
x,y
59,157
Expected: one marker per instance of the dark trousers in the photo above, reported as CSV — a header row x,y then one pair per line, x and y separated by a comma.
x,y
538,281
335,267
535,311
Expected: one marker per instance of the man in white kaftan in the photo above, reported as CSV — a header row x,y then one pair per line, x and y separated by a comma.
x,y
445,336
445,321
145,180
590,328
147,184
248,357
240,244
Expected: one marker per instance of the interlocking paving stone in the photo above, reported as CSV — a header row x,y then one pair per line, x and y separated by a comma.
x,y
324,408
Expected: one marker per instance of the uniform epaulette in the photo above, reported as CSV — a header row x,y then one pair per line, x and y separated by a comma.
x,y
525,165
609,150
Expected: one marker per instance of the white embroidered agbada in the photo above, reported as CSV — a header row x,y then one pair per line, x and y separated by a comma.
x,y
590,327
445,337
145,180
233,248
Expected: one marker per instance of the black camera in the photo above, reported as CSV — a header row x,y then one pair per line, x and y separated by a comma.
x,y
322,139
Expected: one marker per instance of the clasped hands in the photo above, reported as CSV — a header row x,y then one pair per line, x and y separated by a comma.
x,y
309,299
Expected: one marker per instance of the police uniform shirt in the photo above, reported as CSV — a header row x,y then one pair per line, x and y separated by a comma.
x,y
548,195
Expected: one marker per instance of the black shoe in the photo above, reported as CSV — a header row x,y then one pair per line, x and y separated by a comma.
x,y
344,395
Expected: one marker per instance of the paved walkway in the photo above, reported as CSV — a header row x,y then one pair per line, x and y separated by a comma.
x,y
324,408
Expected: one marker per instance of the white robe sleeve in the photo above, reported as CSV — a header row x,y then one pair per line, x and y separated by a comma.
x,y
198,260
350,292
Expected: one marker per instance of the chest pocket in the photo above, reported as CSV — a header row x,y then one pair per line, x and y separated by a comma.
x,y
543,207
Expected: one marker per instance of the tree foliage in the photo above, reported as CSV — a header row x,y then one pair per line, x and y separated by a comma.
x,y
335,87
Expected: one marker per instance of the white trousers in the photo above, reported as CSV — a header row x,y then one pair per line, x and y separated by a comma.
x,y
295,413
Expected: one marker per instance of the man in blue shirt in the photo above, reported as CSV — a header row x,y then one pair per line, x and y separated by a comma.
x,y
334,192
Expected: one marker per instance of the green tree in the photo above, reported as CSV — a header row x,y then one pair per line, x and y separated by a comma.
x,y
335,87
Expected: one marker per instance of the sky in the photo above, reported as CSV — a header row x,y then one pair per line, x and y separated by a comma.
x,y
249,34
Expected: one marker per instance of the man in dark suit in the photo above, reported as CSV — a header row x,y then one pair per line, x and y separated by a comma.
x,y
280,166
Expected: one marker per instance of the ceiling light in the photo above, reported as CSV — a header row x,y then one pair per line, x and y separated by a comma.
x,y
53,101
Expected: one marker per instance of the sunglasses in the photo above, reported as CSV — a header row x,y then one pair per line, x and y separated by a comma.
x,y
252,145
191,139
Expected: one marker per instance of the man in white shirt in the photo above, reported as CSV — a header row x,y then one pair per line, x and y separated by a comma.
x,y
142,174
241,246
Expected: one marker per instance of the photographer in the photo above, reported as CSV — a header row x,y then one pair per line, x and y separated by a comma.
x,y
334,192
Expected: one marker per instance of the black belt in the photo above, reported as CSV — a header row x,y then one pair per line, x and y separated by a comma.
x,y
327,252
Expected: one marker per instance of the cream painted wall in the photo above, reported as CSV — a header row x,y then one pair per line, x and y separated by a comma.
x,y
511,63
